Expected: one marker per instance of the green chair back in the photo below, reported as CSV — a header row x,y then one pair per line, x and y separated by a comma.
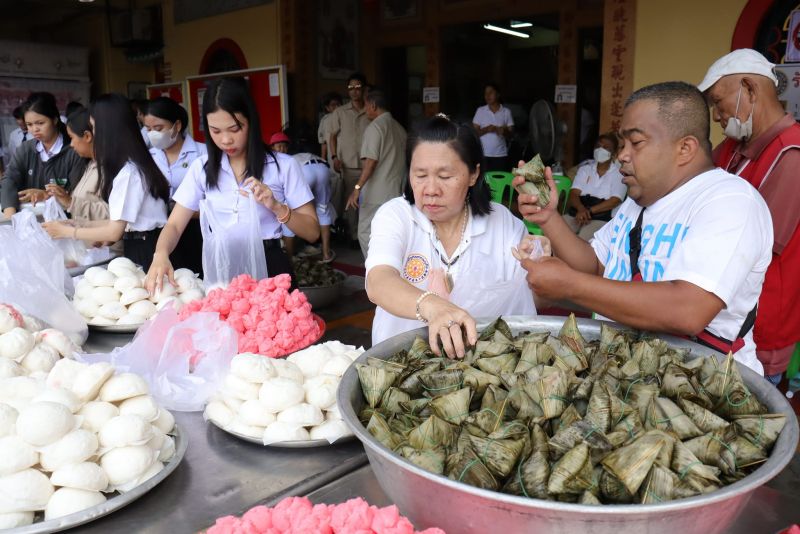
x,y
499,182
794,363
563,185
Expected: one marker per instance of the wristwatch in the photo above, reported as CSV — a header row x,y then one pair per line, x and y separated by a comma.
x,y
357,187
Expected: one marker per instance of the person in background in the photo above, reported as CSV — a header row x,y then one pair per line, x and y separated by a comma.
x,y
17,136
317,176
139,107
46,158
71,108
346,132
330,102
130,181
763,148
174,150
236,165
383,156
597,189
494,125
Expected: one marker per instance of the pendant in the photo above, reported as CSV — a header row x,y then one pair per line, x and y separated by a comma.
x,y
448,282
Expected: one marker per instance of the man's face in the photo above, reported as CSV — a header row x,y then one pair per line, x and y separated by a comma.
x,y
372,110
722,97
331,107
648,155
355,90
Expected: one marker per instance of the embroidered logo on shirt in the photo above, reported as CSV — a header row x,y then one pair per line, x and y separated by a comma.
x,y
185,164
416,268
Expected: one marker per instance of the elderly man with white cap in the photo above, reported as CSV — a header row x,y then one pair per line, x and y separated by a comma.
x,y
763,147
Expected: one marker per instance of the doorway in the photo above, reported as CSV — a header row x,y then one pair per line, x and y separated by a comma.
x,y
402,76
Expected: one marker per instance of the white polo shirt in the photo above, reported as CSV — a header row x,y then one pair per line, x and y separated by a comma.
x,y
589,182
130,201
403,238
494,146
285,179
175,172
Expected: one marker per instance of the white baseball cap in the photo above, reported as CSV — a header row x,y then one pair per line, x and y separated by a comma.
x,y
742,61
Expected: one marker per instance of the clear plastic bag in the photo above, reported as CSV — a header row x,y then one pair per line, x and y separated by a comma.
x,y
229,252
183,362
74,250
33,276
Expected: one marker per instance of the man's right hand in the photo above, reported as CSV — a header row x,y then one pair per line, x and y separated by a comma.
x,y
527,204
337,165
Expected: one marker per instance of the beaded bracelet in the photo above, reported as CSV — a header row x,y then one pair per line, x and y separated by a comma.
x,y
419,301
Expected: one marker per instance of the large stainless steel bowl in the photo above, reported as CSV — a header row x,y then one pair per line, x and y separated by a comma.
x,y
321,296
431,500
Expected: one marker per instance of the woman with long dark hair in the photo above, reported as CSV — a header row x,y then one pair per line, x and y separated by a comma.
x,y
46,158
237,167
174,150
130,181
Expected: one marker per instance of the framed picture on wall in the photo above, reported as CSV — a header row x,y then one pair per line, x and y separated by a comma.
x,y
137,90
337,25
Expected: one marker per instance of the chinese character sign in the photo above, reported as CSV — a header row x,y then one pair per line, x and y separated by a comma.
x,y
618,43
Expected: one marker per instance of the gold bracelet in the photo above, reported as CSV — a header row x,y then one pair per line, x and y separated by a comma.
x,y
285,218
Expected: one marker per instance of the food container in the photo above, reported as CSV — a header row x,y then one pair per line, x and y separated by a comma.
x,y
322,296
433,500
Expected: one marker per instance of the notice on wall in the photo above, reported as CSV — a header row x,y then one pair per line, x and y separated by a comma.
x,y
430,95
566,94
274,84
789,87
793,38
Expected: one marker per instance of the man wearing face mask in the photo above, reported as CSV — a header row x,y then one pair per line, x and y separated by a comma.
x,y
763,147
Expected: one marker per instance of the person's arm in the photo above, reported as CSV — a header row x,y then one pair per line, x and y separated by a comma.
x,y
606,205
303,221
10,184
167,241
574,200
367,169
324,151
111,231
333,131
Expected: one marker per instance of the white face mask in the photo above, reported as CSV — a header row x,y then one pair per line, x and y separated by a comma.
x,y
735,128
163,139
601,155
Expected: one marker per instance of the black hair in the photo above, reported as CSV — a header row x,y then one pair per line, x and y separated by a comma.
x,y
465,141
117,140
18,113
139,105
45,104
232,96
78,122
612,138
493,85
169,110
333,96
681,107
72,107
377,97
358,77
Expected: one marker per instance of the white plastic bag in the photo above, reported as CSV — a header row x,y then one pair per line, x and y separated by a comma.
x,y
183,362
74,250
492,299
33,276
237,249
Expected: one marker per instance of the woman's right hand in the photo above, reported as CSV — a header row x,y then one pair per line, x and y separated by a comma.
x,y
527,204
155,276
448,323
60,193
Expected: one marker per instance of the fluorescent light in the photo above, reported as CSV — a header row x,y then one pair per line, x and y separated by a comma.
x,y
519,24
86,1
505,30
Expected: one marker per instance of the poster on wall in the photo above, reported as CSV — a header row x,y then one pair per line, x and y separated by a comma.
x,y
793,38
173,90
789,87
270,99
337,35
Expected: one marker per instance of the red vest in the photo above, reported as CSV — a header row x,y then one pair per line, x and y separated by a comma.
x,y
778,321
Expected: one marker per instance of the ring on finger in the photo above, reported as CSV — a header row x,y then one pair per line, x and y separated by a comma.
x,y
450,323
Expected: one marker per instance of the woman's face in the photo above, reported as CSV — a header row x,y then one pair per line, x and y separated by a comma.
x,y
83,145
282,147
41,127
229,136
157,124
440,181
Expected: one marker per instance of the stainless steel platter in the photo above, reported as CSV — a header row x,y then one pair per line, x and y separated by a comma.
x,y
113,503
299,444
431,500
116,328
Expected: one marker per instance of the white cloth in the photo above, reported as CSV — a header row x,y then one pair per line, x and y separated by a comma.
x,y
494,146
15,138
715,231
45,154
287,185
589,182
175,172
317,175
130,201
404,238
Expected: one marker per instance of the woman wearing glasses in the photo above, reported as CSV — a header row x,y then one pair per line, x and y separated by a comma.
x,y
237,167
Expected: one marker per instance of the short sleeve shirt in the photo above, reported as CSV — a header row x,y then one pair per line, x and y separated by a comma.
x,y
130,201
348,126
714,231
385,142
494,146
282,175
175,172
589,182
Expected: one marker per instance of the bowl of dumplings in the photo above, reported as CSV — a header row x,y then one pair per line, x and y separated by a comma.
x,y
112,298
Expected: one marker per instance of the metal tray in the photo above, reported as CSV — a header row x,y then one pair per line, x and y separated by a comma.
x,y
300,444
116,328
113,503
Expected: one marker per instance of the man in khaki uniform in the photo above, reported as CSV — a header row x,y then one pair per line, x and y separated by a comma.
x,y
346,130
383,153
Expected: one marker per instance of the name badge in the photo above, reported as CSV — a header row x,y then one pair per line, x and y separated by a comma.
x,y
416,268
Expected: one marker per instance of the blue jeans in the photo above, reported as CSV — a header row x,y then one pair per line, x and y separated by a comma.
x,y
774,379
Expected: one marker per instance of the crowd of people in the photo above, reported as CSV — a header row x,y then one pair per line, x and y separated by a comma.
x,y
662,231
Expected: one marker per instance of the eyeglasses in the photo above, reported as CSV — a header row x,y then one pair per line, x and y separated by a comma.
x,y
351,87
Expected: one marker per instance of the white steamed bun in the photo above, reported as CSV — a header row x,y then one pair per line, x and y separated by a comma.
x,y
127,282
85,475
219,413
16,455
41,358
278,394
123,386
104,295
134,295
24,491
61,396
145,308
67,501
321,391
99,320
131,319
103,278
8,420
237,426
74,448
144,406
311,360
282,431
31,323
63,373
42,423
113,310
86,307
167,290
58,340
10,368
124,464
302,414
165,421
330,430
122,266
16,343
191,294
241,388
9,318
125,430
337,365
287,369
83,289
253,412
252,367
15,519
89,380
96,414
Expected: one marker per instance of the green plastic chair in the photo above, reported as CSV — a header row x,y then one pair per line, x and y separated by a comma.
x,y
498,182
563,185
794,363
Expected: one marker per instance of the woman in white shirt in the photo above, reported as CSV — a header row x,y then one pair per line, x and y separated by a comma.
x,y
237,166
130,182
597,189
441,254
174,150
494,125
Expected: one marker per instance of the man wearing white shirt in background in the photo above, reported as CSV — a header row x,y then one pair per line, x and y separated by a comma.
x,y
494,124
17,136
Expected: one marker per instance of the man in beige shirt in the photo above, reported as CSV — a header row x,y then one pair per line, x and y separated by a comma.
x,y
346,130
383,154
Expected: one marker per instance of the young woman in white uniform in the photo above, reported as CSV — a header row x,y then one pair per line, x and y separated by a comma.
x,y
130,182
174,150
236,166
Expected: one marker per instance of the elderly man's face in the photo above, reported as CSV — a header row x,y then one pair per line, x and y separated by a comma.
x,y
723,97
648,155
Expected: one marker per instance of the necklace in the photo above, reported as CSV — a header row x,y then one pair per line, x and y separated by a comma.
x,y
449,263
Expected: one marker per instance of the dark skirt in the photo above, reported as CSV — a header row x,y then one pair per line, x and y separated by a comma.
x,y
139,247
188,253
277,260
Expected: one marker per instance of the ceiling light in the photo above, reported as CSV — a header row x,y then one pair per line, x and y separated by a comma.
x,y
520,24
86,1
505,30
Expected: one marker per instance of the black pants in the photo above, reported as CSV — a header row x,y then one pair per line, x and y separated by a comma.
x,y
139,247
277,260
189,251
497,164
